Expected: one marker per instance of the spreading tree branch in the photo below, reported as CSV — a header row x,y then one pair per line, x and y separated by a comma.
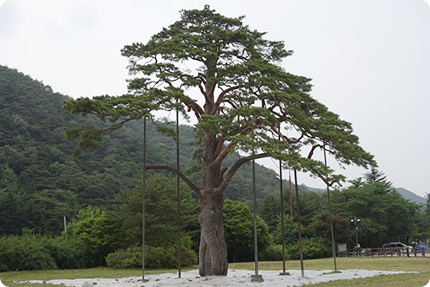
x,y
237,165
177,172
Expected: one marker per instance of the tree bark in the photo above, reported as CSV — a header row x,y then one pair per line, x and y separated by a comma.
x,y
213,249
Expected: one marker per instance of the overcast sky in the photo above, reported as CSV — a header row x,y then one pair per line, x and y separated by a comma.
x,y
369,60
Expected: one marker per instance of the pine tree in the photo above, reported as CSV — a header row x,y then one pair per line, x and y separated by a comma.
x,y
245,96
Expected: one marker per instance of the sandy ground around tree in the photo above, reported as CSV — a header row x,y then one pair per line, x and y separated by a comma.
x,y
234,278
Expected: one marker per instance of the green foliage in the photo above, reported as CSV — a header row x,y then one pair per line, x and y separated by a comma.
x,y
98,235
291,231
25,253
269,211
312,249
341,227
273,253
239,234
155,257
37,252
37,167
246,95
88,212
129,258
159,257
384,215
161,212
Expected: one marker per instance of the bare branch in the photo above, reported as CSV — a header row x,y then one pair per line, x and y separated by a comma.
x,y
177,172
221,98
311,152
115,127
236,166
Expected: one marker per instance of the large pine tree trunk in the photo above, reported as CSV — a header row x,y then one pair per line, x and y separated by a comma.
x,y
213,249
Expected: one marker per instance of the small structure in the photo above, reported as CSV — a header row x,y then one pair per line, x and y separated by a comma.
x,y
341,249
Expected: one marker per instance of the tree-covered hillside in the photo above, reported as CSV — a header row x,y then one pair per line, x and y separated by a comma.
x,y
40,182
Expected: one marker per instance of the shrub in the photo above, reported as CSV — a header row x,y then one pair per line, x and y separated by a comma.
x,y
42,252
274,253
25,253
155,257
130,258
312,249
69,254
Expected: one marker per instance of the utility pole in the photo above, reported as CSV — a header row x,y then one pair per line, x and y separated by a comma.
x,y
356,220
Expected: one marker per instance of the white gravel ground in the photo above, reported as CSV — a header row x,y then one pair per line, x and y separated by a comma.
x,y
234,278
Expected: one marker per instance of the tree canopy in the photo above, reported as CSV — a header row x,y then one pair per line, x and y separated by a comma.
x,y
384,214
230,78
246,94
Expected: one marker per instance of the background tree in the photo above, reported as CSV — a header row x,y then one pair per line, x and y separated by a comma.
x,y
422,220
244,97
238,226
341,227
291,231
269,211
384,214
161,213
99,236
88,212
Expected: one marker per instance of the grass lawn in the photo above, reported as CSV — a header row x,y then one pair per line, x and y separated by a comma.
x,y
390,263
420,264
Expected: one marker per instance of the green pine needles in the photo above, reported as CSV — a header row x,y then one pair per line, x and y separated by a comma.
x,y
246,94
229,78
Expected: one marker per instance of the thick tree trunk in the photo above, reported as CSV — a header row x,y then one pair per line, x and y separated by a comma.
x,y
213,249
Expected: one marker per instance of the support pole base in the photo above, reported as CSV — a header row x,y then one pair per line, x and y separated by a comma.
x,y
143,280
257,278
284,273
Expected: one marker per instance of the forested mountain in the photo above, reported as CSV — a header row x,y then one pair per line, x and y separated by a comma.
x,y
411,196
40,182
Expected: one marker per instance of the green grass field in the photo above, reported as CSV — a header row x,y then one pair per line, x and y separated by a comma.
x,y
399,264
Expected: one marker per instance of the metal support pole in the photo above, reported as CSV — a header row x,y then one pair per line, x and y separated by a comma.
x,y
298,223
282,221
256,277
291,197
178,193
143,201
356,235
282,213
331,220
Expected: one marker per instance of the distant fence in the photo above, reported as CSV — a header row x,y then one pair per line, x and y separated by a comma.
x,y
386,252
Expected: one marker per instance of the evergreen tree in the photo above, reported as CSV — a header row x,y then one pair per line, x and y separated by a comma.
x,y
239,231
385,216
161,212
269,211
246,97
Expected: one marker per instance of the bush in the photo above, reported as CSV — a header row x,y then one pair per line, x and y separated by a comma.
x,y
274,253
155,257
312,249
130,258
41,252
25,253
69,254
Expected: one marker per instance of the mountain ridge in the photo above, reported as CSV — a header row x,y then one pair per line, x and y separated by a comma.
x,y
407,194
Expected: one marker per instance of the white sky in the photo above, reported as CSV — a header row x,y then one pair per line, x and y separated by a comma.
x,y
369,60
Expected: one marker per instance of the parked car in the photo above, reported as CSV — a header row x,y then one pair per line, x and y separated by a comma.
x,y
421,247
395,245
